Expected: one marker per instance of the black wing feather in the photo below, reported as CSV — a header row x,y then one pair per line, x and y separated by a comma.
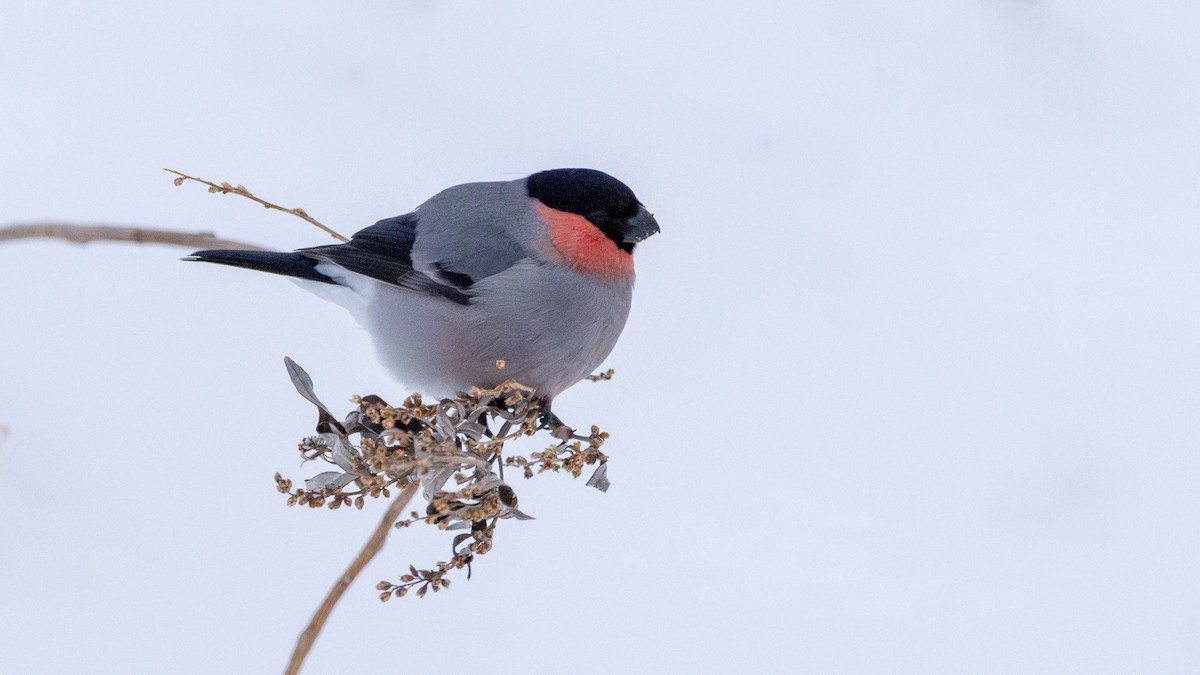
x,y
287,264
383,251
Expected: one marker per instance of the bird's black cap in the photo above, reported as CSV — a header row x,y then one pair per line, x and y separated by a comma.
x,y
585,192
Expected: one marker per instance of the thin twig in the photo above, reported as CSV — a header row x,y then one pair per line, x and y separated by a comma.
x,y
372,547
83,234
226,188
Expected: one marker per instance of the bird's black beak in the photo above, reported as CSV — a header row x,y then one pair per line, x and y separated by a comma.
x,y
640,227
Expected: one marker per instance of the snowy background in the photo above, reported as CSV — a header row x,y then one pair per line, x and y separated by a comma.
x,y
911,381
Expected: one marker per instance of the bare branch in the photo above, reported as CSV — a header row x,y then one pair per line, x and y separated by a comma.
x,y
83,234
372,547
226,188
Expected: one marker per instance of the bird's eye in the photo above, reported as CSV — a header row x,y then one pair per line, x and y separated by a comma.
x,y
624,213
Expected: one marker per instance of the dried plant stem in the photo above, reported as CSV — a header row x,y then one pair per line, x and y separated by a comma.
x,y
83,234
372,547
226,188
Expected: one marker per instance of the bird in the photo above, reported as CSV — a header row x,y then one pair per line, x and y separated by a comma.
x,y
528,280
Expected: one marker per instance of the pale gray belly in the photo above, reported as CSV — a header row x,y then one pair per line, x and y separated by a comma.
x,y
549,326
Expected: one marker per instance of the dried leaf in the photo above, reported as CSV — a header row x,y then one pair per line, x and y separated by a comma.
x,y
488,482
340,449
508,415
329,480
304,384
432,482
599,479
472,430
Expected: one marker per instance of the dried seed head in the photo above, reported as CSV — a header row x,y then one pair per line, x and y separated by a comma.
x,y
380,446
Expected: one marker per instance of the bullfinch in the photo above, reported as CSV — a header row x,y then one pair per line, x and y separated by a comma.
x,y
529,280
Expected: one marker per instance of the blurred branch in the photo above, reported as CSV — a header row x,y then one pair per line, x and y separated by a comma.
x,y
226,188
84,234
369,549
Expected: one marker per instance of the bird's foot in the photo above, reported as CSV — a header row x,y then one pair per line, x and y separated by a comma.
x,y
548,420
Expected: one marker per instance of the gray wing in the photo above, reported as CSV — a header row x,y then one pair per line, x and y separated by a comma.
x,y
473,231
384,251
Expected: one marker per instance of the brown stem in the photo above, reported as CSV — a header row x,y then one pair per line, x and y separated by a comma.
x,y
372,547
226,188
83,234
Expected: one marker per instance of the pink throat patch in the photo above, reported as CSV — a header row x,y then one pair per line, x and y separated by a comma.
x,y
583,246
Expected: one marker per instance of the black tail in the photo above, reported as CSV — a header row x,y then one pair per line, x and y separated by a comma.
x,y
287,264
